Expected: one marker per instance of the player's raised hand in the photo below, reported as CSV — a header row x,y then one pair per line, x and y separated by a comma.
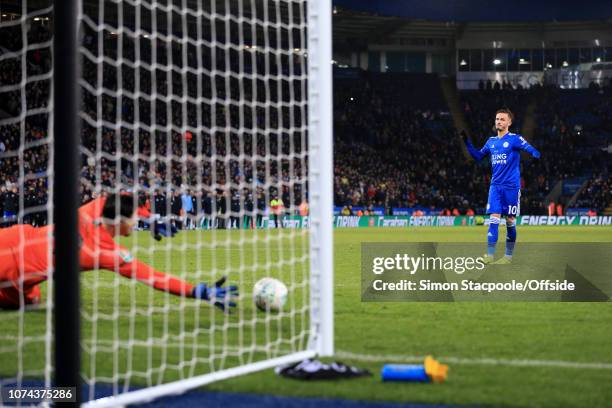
x,y
219,295
464,136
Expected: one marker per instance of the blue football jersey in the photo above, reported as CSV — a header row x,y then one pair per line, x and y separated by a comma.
x,y
505,154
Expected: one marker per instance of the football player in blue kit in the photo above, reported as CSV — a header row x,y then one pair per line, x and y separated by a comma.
x,y
505,190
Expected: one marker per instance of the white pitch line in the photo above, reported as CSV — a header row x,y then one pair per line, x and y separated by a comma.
x,y
374,358
390,358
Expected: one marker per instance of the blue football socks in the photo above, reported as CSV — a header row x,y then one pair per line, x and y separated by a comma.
x,y
492,235
510,238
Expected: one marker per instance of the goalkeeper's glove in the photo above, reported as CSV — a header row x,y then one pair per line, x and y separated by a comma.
x,y
464,136
218,295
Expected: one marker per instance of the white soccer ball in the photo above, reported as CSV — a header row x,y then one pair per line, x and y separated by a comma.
x,y
270,294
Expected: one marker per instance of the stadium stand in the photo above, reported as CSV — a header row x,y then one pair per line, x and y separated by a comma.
x,y
395,145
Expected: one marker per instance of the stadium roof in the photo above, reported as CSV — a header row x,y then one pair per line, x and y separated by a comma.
x,y
485,10
373,22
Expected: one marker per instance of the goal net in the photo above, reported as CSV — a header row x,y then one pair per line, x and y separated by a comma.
x,y
26,187
216,117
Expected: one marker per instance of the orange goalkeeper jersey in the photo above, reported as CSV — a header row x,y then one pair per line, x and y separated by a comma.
x,y
24,251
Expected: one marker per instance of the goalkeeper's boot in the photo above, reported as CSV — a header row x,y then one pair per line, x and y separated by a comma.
x,y
487,259
506,260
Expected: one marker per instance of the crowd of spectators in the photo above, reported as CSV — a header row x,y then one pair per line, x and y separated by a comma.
x,y
574,128
596,194
24,144
394,149
479,106
232,144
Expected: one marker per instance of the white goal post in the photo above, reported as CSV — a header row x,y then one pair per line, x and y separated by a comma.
x,y
320,128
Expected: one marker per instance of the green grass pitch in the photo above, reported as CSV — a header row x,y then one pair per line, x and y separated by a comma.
x,y
128,313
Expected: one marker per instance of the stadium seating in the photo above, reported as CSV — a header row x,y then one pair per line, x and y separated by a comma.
x,y
395,145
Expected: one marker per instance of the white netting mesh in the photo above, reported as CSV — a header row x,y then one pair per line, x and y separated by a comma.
x,y
25,187
199,108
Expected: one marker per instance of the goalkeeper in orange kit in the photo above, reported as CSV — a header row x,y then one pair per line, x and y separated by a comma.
x,y
25,256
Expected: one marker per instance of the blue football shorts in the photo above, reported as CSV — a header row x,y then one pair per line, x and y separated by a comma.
x,y
504,201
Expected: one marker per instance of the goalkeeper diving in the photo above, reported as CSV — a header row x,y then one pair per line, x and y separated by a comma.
x,y
505,190
25,256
